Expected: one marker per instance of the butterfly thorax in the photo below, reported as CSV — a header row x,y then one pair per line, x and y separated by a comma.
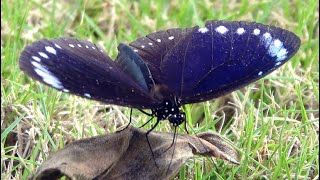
x,y
170,110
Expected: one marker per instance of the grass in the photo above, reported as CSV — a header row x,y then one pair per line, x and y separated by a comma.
x,y
274,123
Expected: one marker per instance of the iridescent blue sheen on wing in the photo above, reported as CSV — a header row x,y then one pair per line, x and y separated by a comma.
x,y
219,58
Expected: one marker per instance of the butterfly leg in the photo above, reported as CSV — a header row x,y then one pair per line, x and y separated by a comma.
x,y
149,114
147,122
174,148
148,132
174,137
185,127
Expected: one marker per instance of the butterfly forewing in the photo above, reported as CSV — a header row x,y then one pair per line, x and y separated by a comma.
x,y
224,56
81,68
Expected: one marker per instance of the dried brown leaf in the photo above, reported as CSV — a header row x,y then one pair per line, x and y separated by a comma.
x,y
126,155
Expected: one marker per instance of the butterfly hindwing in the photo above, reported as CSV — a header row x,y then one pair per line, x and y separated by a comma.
x,y
133,65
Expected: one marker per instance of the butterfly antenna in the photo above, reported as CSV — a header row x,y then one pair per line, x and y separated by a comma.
x,y
153,156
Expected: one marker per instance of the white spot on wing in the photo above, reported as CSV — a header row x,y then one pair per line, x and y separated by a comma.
x,y
158,40
282,54
47,76
37,65
87,46
276,49
87,95
56,45
256,32
171,37
240,31
65,90
36,58
79,45
203,30
71,45
93,47
221,29
135,50
53,81
266,39
277,43
278,63
150,44
142,46
44,55
260,73
267,35
50,50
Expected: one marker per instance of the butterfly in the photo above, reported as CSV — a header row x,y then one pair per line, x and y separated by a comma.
x,y
166,69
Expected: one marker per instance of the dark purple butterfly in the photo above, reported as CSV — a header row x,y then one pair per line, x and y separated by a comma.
x,y
165,69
